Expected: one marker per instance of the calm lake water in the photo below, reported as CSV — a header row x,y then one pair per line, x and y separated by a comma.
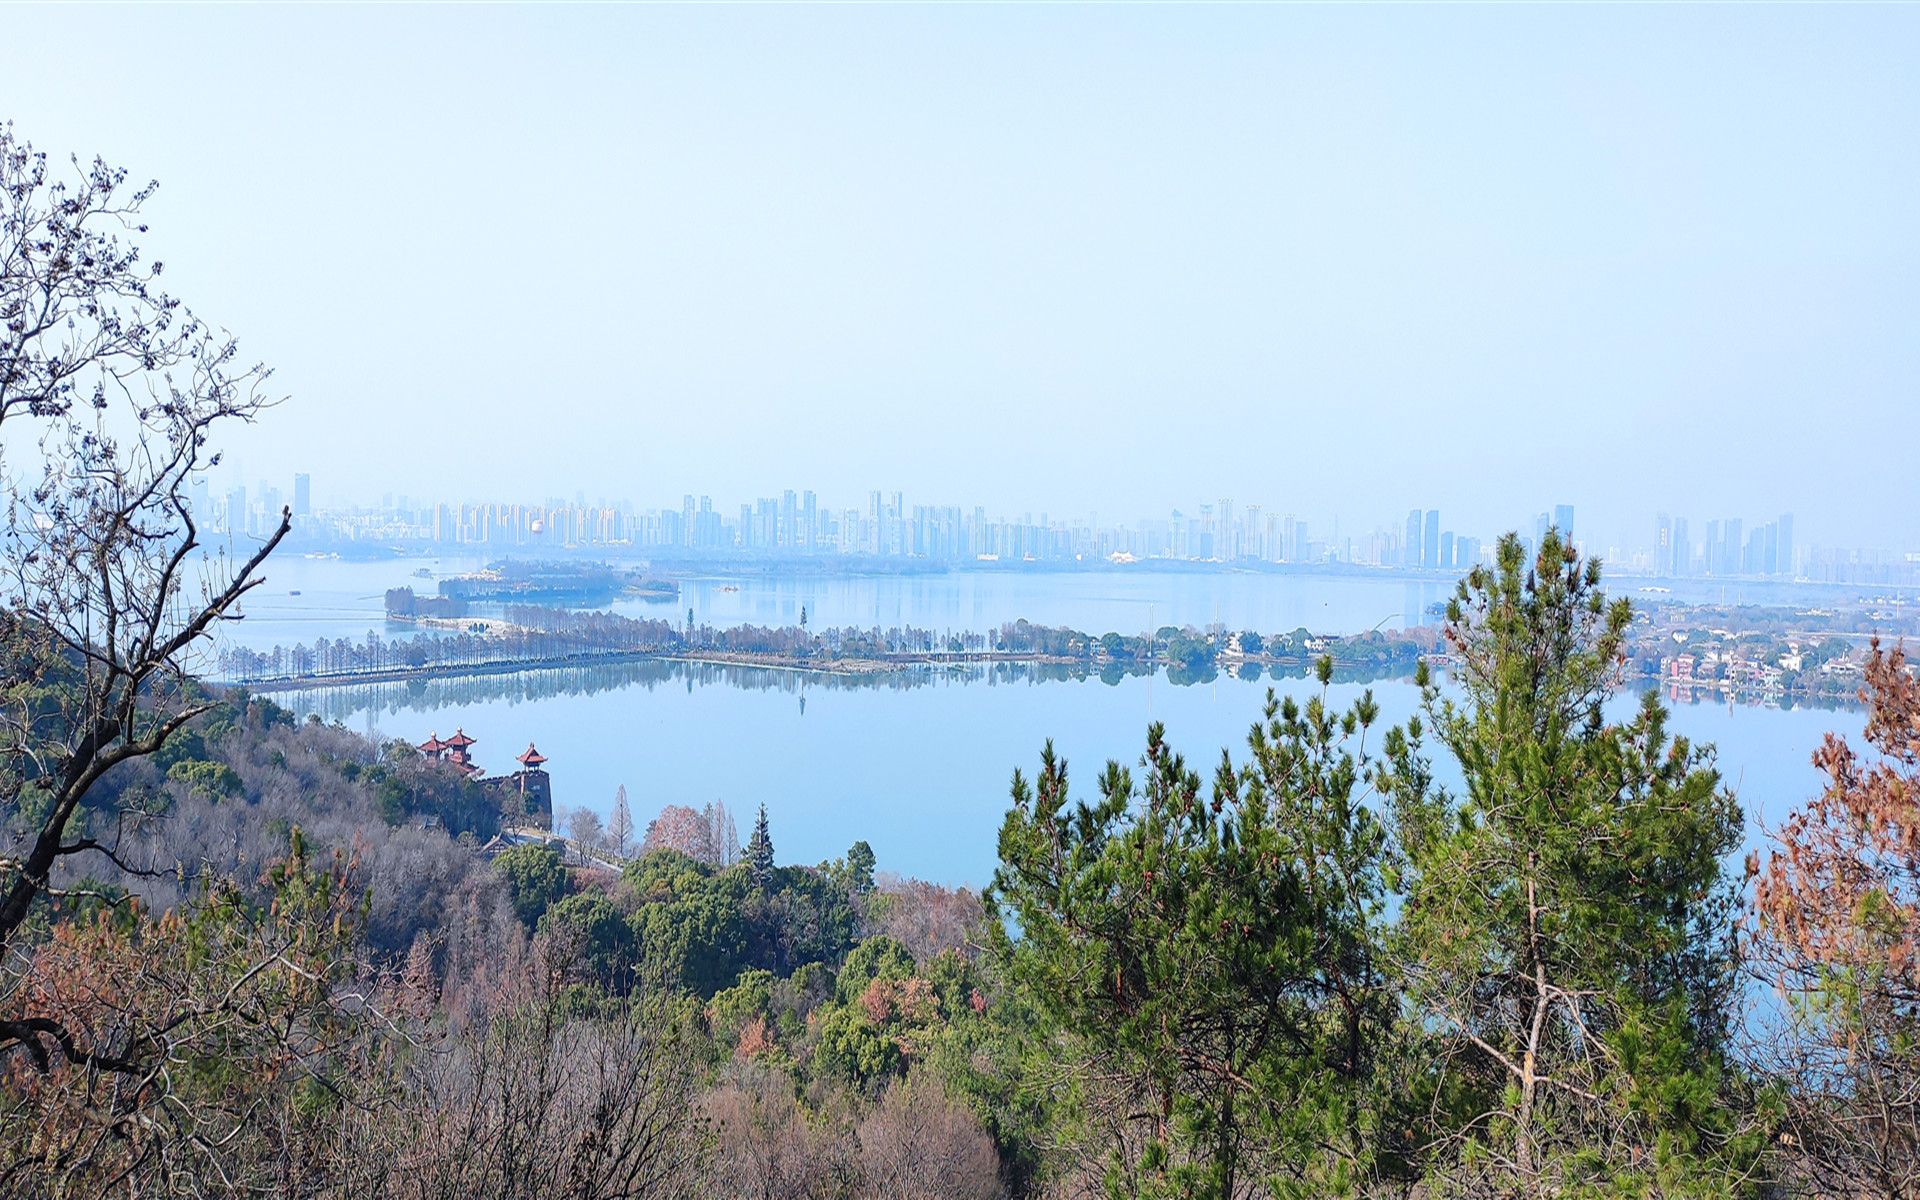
x,y
919,767
303,599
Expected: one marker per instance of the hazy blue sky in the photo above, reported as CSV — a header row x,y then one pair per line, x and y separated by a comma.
x,y
1342,258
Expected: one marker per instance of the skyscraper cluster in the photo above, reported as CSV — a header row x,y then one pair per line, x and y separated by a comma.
x,y
1725,548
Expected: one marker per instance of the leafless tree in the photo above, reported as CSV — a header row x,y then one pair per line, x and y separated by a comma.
x,y
722,836
916,1142
769,1148
585,828
111,394
620,825
530,1103
927,918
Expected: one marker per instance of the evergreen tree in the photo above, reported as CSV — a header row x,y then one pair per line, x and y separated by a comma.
x,y
860,864
760,852
1206,971
1566,930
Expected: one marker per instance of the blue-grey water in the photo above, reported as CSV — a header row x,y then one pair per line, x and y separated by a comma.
x,y
303,599
918,766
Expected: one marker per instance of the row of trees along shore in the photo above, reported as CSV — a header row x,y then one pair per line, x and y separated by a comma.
x,y
1506,949
534,634
1824,659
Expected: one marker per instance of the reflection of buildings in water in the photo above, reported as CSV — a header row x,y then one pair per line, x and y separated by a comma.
x,y
1412,606
1682,693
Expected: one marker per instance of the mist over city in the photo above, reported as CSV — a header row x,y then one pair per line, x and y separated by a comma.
x,y
1118,263
959,602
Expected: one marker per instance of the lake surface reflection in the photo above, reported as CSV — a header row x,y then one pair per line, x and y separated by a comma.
x,y
918,763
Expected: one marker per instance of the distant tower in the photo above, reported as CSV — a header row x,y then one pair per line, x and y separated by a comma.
x,y
302,495
536,787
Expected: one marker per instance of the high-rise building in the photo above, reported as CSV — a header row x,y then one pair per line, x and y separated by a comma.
x,y
1663,545
1410,549
1682,552
1563,520
1784,563
1430,543
302,495
237,512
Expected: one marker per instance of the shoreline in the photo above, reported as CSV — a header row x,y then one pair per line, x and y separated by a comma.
x,y
871,668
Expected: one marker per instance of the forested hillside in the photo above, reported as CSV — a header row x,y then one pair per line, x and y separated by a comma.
x,y
243,955
1316,973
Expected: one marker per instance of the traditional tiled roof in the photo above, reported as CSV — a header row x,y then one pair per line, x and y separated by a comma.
x,y
433,744
459,740
532,758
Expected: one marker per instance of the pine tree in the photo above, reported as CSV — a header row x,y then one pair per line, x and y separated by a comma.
x,y
760,851
1207,968
1567,916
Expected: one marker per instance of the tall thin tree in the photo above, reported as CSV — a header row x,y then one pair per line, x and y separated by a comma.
x,y
620,825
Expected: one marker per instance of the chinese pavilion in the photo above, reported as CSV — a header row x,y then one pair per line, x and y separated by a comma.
x,y
452,751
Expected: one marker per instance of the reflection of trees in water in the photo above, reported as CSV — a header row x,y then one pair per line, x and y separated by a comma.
x,y
343,702
347,701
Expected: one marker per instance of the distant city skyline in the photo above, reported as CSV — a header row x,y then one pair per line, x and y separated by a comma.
x,y
1079,257
888,524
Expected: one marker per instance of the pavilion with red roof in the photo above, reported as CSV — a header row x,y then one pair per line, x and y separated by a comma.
x,y
452,751
525,796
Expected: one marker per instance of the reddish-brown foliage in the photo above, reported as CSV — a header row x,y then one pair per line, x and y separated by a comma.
x,y
681,829
927,918
755,1039
1844,890
1839,938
